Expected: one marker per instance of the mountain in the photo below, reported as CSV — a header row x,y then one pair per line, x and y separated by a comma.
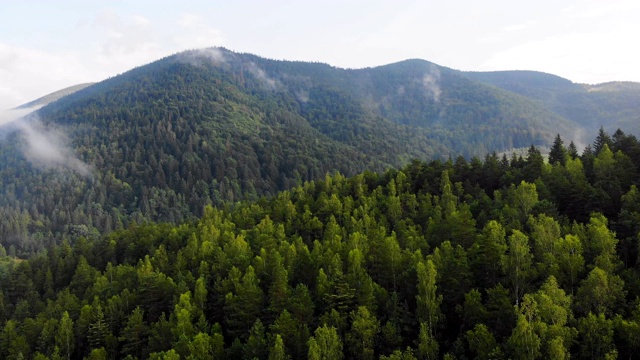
x,y
56,95
162,141
610,105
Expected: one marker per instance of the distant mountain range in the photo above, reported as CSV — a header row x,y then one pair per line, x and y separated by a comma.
x,y
610,105
54,96
211,126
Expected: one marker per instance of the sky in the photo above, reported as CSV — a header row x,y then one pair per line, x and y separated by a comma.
x,y
49,45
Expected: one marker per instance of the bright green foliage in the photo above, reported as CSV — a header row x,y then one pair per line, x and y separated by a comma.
x,y
557,350
596,337
277,351
428,346
200,347
361,338
545,234
400,355
568,251
517,263
65,341
523,198
629,331
279,292
553,304
184,316
325,345
600,292
200,296
601,244
524,343
97,354
424,262
428,301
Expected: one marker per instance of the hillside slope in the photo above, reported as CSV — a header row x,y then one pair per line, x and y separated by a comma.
x,y
610,105
212,126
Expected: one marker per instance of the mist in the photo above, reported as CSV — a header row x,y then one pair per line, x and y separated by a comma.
x,y
430,82
201,57
8,116
262,76
44,147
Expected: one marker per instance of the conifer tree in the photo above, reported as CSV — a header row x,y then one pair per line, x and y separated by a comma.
x,y
572,151
558,153
601,140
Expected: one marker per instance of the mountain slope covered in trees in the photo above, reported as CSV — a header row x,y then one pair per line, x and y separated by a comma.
x,y
502,259
612,105
164,140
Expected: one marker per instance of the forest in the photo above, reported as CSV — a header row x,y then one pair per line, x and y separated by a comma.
x,y
500,258
166,139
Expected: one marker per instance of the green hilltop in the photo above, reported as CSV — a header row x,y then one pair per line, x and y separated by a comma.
x,y
209,127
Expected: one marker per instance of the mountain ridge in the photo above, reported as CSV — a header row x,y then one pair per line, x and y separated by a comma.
x,y
213,127
54,96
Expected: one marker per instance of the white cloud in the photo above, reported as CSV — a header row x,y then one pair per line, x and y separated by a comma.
x,y
26,74
583,57
601,9
195,33
115,43
589,43
518,27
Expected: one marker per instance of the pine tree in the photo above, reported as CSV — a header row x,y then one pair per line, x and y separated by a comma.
x,y
134,335
572,151
558,153
98,328
256,346
601,140
277,352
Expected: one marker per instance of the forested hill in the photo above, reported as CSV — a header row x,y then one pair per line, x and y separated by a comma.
x,y
612,105
503,259
211,126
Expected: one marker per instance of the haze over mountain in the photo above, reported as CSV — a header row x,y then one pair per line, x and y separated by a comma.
x,y
212,126
611,105
49,98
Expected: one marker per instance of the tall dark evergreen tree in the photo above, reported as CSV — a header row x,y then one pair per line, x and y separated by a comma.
x,y
558,153
601,140
572,151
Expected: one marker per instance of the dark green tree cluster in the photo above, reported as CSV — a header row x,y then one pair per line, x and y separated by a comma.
x,y
499,259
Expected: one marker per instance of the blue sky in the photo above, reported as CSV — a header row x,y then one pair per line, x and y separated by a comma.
x,y
48,45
